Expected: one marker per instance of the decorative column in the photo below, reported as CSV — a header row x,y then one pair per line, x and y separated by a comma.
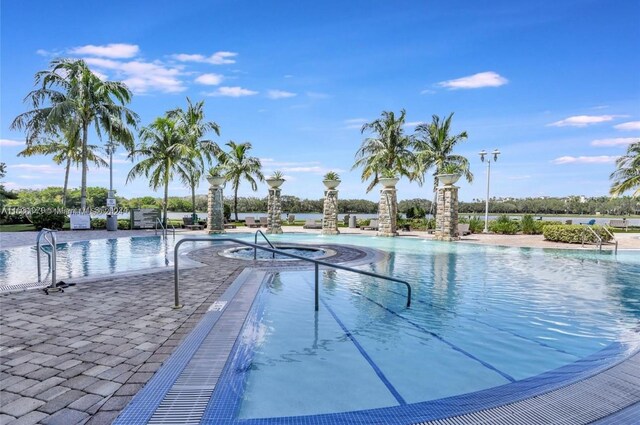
x,y
388,208
447,209
330,213
274,212
215,206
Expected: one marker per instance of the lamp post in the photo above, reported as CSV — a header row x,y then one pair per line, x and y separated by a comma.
x,y
482,154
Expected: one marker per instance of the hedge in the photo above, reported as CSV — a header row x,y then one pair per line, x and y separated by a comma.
x,y
48,214
574,233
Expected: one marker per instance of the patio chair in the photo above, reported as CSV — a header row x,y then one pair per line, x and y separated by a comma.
x,y
187,221
251,222
463,229
291,218
264,222
312,224
373,225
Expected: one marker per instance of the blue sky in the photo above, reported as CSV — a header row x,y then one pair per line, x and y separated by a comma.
x,y
555,86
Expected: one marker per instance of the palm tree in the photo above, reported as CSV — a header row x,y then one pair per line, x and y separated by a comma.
x,y
388,151
192,127
66,148
69,90
434,149
236,165
165,153
627,174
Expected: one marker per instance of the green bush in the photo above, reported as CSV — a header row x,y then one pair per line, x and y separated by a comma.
x,y
124,224
48,214
574,233
531,226
98,223
504,226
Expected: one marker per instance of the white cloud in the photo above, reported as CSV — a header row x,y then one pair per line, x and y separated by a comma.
x,y
427,91
39,169
618,141
475,81
16,186
631,125
603,159
142,77
279,94
232,92
413,123
209,79
582,120
218,58
6,143
355,123
113,50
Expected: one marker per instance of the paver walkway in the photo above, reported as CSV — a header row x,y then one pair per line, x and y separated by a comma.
x,y
78,357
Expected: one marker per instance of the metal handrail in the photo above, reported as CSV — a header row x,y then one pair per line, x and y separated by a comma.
x,y
593,232
612,237
164,229
316,263
53,255
255,240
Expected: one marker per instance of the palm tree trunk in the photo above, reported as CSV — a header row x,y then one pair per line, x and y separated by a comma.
x,y
235,200
165,207
83,184
66,181
193,201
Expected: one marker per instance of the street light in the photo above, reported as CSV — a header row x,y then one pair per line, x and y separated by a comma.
x,y
482,154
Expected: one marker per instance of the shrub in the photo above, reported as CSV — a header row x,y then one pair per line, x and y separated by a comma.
x,y
574,233
124,224
98,223
531,226
504,226
48,214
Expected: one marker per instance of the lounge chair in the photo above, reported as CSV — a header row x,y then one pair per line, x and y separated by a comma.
x,y
251,222
187,223
291,218
312,224
619,224
373,225
264,222
463,229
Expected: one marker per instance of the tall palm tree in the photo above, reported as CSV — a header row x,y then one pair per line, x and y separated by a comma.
x,y
65,148
165,153
69,90
389,150
434,148
627,174
237,165
192,127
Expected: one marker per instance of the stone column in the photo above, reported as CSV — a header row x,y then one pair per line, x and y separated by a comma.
x,y
215,210
447,214
330,213
388,212
274,212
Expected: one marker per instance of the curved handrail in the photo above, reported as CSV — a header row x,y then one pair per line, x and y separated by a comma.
x,y
316,263
52,256
612,237
598,238
165,229
255,240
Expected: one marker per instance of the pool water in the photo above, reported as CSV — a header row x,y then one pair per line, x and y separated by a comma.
x,y
248,253
481,317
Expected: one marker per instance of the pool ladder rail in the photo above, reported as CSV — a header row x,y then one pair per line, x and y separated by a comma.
x,y
255,241
599,240
165,228
52,256
316,264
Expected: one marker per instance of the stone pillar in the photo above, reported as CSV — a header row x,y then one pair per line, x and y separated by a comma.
x,y
388,212
215,210
330,213
447,214
274,212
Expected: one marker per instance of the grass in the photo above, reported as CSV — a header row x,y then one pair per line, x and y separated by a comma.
x,y
17,228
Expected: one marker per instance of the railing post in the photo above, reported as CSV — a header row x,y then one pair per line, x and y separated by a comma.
x,y
176,304
38,256
316,286
54,259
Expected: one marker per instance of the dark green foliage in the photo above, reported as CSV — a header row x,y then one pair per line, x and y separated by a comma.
x,y
574,233
531,226
124,224
48,214
504,226
98,223
227,212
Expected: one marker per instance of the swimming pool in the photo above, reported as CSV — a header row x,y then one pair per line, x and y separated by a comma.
x,y
482,318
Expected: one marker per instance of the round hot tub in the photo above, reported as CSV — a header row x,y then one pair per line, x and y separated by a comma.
x,y
247,253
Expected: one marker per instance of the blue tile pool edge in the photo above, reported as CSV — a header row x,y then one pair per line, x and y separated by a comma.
x,y
141,408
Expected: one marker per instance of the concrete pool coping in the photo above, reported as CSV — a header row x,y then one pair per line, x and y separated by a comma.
x,y
35,330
